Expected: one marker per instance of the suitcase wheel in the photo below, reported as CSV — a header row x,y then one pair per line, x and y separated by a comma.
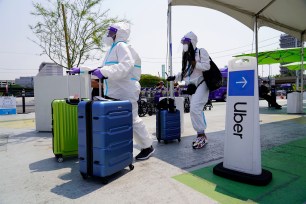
x,y
166,142
158,140
131,166
179,140
59,158
104,180
84,176
209,108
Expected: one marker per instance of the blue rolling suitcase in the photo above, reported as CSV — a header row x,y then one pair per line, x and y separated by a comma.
x,y
105,137
168,122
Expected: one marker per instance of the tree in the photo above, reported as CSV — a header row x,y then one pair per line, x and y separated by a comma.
x,y
86,26
148,80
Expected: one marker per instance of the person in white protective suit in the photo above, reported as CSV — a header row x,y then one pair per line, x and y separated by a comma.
x,y
194,62
121,70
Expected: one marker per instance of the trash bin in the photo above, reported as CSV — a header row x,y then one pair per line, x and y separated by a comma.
x,y
294,103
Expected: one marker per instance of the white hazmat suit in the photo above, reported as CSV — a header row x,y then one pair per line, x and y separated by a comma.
x,y
200,97
122,67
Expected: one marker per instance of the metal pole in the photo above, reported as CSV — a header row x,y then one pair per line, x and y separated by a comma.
x,y
170,46
256,39
297,71
302,66
66,38
269,70
23,100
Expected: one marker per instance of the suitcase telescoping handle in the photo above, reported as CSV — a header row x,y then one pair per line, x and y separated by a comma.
x,y
167,89
172,109
88,86
100,84
68,72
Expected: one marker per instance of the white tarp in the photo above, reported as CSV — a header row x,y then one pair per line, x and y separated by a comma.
x,y
288,16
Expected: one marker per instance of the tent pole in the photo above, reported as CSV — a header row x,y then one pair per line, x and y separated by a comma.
x,y
256,38
297,72
170,44
302,65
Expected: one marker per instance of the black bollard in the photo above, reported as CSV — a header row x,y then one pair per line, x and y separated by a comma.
x,y
23,100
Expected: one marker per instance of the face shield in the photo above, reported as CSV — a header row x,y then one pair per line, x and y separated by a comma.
x,y
112,31
109,38
185,40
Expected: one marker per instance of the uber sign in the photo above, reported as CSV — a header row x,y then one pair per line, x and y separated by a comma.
x,y
241,83
242,141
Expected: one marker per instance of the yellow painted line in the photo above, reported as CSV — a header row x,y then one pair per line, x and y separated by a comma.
x,y
18,124
269,118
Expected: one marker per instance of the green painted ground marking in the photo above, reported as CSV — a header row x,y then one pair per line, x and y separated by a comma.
x,y
287,164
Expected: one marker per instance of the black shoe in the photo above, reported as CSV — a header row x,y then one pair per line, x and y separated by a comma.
x,y
145,153
278,107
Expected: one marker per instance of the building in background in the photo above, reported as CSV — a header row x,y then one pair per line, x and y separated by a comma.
x,y
26,82
50,69
3,83
288,41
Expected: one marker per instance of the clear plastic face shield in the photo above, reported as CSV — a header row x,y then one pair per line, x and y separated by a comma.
x,y
109,38
112,31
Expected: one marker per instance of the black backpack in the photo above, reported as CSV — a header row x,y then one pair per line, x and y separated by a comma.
x,y
212,77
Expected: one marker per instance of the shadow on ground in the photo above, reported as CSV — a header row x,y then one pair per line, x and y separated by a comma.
x,y
75,186
182,154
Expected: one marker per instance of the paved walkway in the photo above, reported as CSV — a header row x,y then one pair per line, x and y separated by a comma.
x,y
30,174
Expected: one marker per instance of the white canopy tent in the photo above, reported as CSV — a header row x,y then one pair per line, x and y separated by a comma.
x,y
283,15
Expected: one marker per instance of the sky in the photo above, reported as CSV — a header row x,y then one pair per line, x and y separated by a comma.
x,y
221,35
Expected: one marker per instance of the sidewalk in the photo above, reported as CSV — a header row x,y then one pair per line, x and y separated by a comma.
x,y
30,174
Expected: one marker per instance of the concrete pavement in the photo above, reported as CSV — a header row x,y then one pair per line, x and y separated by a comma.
x,y
30,174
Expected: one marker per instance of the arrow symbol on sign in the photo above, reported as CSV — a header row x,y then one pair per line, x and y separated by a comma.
x,y
244,82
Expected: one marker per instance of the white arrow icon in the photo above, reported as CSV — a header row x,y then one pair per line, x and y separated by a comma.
x,y
244,82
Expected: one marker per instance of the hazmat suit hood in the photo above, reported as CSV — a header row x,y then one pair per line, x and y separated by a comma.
x,y
193,37
123,31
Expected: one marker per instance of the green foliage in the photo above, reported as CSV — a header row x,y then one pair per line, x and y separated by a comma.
x,y
277,76
86,25
16,86
148,80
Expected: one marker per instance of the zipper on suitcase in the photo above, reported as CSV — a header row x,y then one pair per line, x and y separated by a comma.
x,y
89,145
